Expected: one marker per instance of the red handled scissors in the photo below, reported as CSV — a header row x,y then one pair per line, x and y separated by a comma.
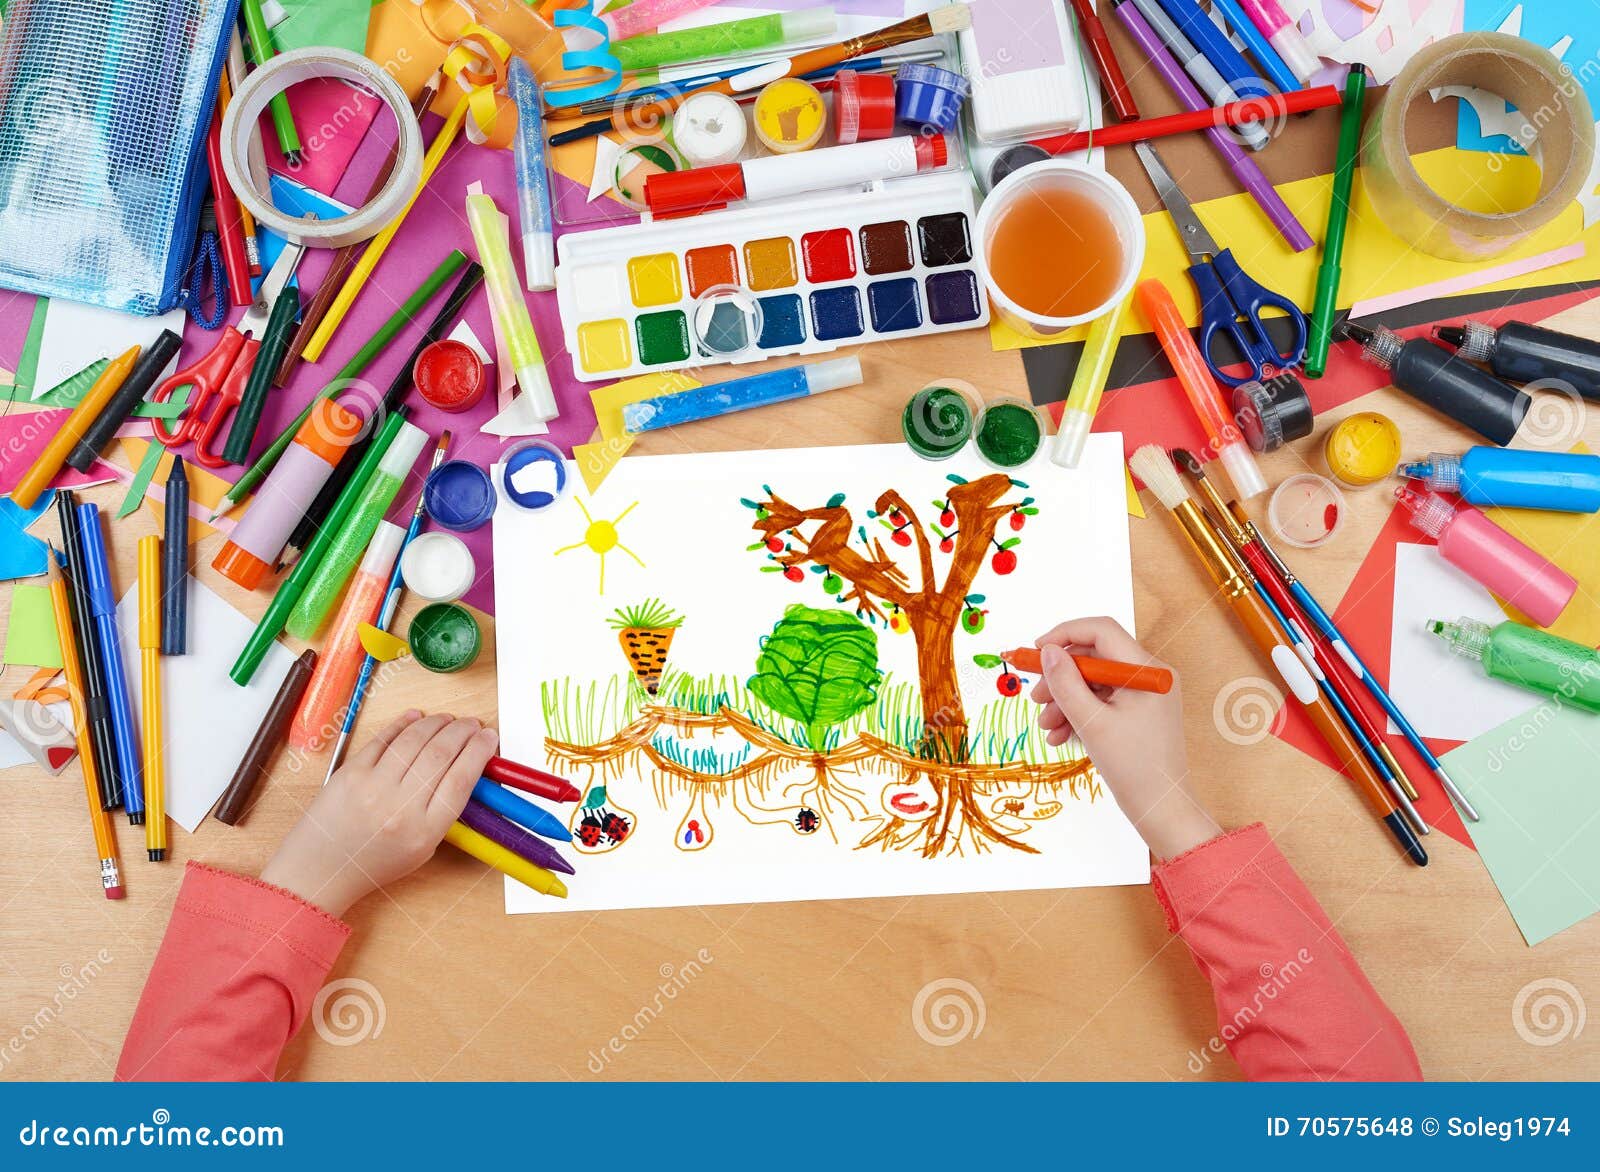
x,y
232,380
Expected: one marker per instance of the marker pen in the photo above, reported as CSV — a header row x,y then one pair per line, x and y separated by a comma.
x,y
1470,541
707,188
1526,353
103,605
1535,660
740,394
1510,478
1444,381
1269,17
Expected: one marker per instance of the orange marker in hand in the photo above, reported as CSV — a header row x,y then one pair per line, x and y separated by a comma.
x,y
1110,673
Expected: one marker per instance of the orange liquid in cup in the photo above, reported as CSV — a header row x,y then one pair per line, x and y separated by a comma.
x,y
1055,252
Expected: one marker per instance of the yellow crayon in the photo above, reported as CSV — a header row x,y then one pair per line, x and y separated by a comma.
x,y
486,850
54,454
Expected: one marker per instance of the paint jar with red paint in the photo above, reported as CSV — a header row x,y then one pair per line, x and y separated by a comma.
x,y
449,376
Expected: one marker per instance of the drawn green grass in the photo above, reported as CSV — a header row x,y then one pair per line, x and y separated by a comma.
x,y
1003,731
652,614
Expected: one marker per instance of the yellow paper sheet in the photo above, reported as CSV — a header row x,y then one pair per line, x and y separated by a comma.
x,y
1571,541
205,488
1135,505
596,460
1376,262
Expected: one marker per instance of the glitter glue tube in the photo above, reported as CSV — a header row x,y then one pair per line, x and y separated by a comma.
x,y
645,16
1514,478
728,39
340,560
509,309
318,718
1205,396
533,184
299,475
1470,541
1535,660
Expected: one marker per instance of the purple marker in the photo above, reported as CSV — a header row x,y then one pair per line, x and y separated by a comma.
x,y
1242,166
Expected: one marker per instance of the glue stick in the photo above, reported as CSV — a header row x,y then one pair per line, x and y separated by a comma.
x,y
322,708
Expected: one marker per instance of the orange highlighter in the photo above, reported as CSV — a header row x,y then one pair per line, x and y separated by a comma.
x,y
155,788
1223,436
1109,673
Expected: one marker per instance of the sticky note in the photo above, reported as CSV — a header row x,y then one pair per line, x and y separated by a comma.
x,y
31,628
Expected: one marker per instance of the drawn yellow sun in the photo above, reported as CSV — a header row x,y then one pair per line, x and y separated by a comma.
x,y
601,536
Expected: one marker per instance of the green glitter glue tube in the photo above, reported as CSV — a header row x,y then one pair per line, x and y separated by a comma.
x,y
727,39
321,594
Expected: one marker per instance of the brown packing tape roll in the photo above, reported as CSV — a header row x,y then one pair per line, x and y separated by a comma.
x,y
1531,80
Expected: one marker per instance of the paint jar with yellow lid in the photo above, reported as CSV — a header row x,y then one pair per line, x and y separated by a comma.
x,y
1363,449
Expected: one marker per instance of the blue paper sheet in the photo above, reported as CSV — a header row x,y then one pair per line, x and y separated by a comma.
x,y
1550,23
21,554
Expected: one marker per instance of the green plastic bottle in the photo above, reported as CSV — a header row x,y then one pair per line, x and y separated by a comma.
x,y
1535,660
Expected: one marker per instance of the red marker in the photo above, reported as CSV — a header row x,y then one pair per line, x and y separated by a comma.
x,y
531,780
1109,673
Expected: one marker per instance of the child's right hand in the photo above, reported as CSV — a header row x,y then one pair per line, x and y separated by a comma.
x,y
1134,738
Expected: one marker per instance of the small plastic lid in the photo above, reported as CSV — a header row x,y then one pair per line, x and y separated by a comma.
x,y
1296,53
1243,471
239,565
808,22
1272,413
918,73
789,115
329,430
863,106
445,637
1071,435
459,495
382,549
709,128
539,259
521,471
833,374
932,150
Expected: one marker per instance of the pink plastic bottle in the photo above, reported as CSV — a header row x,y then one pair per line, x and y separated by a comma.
x,y
321,710
1469,540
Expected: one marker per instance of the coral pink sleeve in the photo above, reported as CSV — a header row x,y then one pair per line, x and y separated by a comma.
x,y
233,982
1292,1003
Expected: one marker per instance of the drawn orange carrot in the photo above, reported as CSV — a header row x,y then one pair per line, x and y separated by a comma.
x,y
645,631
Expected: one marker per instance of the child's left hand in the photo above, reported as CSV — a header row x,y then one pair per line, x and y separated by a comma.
x,y
384,811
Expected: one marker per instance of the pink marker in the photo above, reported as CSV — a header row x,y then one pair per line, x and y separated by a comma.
x,y
1282,35
1508,568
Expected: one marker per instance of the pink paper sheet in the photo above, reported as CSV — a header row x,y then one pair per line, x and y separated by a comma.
x,y
331,118
1467,282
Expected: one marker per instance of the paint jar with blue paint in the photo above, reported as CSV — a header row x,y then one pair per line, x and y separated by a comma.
x,y
533,474
928,97
459,495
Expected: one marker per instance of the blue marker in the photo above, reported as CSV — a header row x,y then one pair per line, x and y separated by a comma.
x,y
1558,482
533,183
1266,56
1200,70
1244,80
521,811
740,394
124,733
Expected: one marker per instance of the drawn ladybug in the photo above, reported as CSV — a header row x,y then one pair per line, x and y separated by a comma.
x,y
807,820
589,831
615,826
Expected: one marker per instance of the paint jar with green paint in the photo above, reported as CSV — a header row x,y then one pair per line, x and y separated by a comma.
x,y
445,638
1009,432
937,421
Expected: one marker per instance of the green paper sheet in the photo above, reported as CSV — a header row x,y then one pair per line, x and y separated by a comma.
x,y
342,23
28,360
141,478
31,628
1533,781
71,389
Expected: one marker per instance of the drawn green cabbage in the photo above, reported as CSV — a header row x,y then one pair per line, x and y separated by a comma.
x,y
817,667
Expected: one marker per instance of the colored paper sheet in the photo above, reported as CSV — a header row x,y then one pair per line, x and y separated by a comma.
x,y
16,316
1383,40
331,118
209,718
596,460
1571,541
72,389
397,37
75,335
341,23
1451,286
22,555
142,476
1376,262
23,435
27,363
1442,694
31,628
206,490
1532,779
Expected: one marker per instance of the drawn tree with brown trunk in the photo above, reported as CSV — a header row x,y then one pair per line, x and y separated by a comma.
x,y
830,541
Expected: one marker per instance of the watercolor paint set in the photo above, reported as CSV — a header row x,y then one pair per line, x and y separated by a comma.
x,y
772,279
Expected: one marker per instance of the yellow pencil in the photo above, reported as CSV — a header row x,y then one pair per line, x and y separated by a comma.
x,y
486,850
362,269
155,787
105,842
48,462
252,247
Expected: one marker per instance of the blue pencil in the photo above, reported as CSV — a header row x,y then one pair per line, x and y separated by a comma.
x,y
519,810
1266,56
103,605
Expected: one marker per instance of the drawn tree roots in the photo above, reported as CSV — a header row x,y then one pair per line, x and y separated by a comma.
x,y
958,824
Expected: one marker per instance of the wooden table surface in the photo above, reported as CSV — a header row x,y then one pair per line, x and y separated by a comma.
x,y
1078,984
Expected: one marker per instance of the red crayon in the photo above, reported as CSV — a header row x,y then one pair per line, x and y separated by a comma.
x,y
531,780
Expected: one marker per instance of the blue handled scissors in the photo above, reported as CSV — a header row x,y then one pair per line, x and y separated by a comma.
x,y
1230,302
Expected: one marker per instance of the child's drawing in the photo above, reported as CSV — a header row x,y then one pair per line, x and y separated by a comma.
x,y
601,537
822,710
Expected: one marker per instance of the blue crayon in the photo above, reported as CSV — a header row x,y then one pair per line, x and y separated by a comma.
x,y
741,394
519,810
103,605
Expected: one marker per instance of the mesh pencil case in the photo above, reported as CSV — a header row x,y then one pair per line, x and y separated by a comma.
x,y
104,109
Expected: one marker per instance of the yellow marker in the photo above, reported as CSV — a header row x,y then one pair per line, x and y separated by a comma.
x,y
1088,384
45,466
362,271
155,786
105,842
486,850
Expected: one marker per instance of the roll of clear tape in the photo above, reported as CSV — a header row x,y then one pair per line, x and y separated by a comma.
x,y
1531,80
240,123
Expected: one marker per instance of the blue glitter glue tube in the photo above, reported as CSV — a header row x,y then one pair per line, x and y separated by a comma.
x,y
533,182
741,394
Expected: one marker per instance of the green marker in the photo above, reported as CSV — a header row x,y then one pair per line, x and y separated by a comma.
x,y
1535,660
1344,175
255,27
290,589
